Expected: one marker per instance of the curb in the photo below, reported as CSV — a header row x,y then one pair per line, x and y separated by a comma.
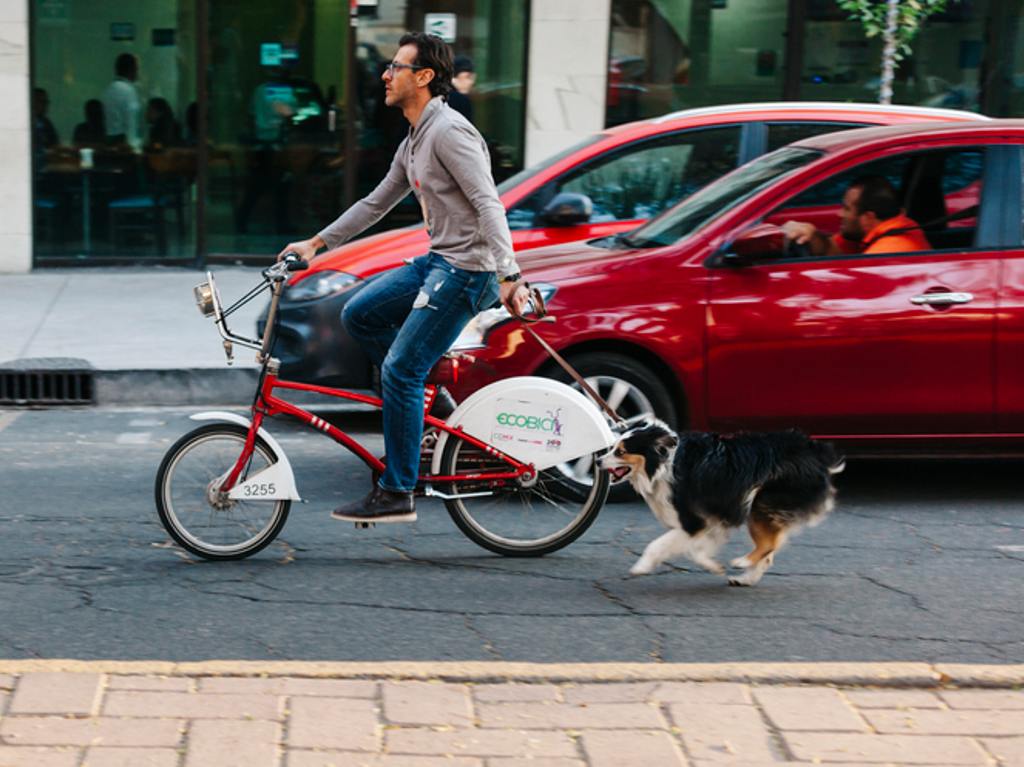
x,y
175,387
185,387
887,674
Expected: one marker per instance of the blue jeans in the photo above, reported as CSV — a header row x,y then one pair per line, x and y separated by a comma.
x,y
405,320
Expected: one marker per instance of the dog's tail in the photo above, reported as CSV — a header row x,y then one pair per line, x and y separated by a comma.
x,y
830,459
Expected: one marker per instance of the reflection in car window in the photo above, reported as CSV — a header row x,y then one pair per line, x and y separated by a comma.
x,y
829,193
642,179
719,197
780,134
527,173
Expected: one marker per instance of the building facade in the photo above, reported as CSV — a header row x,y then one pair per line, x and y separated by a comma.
x,y
185,131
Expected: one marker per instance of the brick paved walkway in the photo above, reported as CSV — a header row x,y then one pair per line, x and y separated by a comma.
x,y
102,719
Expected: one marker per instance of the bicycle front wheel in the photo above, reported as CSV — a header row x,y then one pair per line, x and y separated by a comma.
x,y
518,520
199,518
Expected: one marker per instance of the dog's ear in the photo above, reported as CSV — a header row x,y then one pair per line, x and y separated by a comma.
x,y
665,443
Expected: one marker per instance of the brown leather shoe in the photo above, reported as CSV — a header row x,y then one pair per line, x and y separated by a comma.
x,y
379,506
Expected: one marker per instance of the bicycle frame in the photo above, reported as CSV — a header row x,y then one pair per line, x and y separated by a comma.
x,y
268,405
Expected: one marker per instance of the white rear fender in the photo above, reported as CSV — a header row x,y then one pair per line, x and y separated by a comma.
x,y
534,420
276,482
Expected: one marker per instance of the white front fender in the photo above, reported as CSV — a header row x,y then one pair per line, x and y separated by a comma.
x,y
276,482
535,420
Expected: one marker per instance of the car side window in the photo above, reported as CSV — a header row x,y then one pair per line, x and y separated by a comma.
x,y
830,193
782,133
939,190
640,180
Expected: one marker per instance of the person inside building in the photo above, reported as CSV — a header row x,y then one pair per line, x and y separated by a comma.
x,y
871,220
462,83
164,130
93,131
122,107
43,131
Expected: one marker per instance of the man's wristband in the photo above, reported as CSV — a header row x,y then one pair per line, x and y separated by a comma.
x,y
515,277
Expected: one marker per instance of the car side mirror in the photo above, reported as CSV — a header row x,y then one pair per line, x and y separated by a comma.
x,y
567,209
761,241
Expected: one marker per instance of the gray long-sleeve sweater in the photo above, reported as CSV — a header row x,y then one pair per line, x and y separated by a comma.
x,y
445,162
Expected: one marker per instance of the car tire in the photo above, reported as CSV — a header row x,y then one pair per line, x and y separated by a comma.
x,y
629,386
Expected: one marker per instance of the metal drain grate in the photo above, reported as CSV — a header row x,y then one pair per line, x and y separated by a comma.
x,y
46,381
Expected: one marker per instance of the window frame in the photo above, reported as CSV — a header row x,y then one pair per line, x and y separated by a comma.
x,y
989,237
634,146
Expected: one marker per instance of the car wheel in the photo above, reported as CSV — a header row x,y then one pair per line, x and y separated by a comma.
x,y
631,388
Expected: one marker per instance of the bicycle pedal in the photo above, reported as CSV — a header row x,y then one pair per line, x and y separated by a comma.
x,y
364,525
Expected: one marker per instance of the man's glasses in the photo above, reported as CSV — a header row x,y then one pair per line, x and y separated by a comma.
x,y
390,68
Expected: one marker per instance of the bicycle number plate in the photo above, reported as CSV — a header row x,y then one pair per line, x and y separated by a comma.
x,y
272,484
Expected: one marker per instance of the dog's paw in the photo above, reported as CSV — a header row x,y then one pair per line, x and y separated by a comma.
x,y
714,568
641,568
739,580
741,563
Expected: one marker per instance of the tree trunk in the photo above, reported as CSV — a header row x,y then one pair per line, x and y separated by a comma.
x,y
889,54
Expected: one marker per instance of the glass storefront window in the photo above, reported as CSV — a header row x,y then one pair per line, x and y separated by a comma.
x,y
489,39
276,78
667,55
113,147
840,63
971,56
278,108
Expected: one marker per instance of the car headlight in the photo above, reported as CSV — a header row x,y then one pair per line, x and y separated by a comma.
x,y
474,335
325,283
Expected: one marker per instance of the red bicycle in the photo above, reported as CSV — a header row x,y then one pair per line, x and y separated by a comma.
x,y
502,462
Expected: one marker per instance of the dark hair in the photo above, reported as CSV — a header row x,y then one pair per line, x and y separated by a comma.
x,y
877,196
432,53
462,64
94,115
126,66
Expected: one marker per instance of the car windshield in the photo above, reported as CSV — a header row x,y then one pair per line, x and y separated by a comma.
x,y
718,197
527,173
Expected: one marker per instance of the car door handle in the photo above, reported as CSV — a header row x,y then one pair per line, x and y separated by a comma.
x,y
942,299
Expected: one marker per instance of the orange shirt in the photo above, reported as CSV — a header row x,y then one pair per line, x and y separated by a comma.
x,y
876,240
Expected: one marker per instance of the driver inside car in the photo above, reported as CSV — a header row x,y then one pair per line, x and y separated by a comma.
x,y
871,220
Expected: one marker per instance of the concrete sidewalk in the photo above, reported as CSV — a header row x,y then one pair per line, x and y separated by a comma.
x,y
106,714
138,328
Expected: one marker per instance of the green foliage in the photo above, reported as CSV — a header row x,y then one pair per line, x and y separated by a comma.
x,y
911,14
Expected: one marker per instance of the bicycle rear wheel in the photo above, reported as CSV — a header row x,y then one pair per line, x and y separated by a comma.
x,y
516,520
198,518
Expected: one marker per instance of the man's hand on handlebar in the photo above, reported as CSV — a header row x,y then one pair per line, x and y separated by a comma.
x,y
304,249
514,297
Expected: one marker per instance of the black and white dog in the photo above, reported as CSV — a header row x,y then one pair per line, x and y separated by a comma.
x,y
702,486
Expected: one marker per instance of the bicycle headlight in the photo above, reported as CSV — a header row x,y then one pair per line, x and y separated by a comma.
x,y
474,335
320,285
203,293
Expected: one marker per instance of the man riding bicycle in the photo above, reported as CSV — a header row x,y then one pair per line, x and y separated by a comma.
x,y
408,318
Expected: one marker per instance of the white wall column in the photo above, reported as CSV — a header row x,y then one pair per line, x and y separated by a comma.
x,y
15,139
568,73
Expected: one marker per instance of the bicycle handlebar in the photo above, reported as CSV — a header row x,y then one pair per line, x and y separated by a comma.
x,y
291,262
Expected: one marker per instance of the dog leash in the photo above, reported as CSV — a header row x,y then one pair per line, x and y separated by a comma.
x,y
542,316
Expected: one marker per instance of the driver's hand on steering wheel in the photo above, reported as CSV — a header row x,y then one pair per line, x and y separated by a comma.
x,y
514,296
304,249
799,232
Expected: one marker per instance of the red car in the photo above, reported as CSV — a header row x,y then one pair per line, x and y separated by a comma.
x,y
706,317
610,183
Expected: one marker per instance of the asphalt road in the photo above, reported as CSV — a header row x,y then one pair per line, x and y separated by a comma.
x,y
921,561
